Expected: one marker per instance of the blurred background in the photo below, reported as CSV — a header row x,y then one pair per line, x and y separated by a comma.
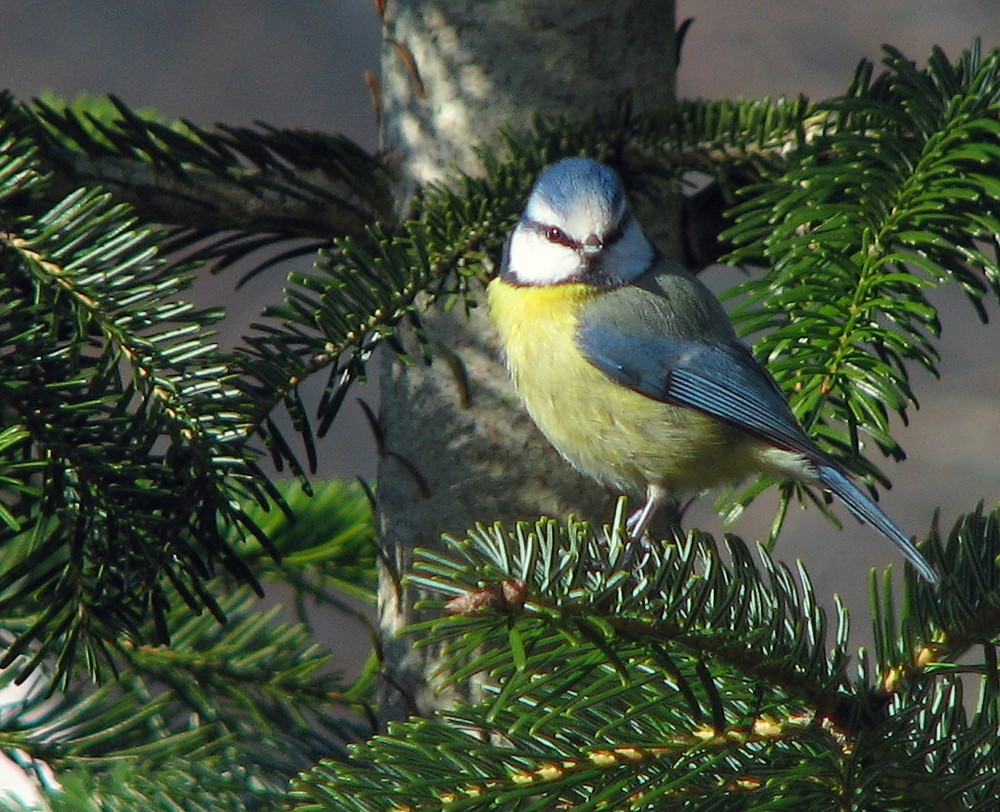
x,y
295,63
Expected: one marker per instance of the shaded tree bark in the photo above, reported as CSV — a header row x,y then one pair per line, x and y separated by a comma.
x,y
453,74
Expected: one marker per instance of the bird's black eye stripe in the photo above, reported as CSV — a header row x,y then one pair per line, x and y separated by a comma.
x,y
557,235
553,234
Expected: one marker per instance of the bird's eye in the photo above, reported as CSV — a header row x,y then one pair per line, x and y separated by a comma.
x,y
557,235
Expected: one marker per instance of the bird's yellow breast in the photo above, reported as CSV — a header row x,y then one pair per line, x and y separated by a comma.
x,y
614,434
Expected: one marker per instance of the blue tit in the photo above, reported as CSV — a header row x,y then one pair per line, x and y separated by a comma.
x,y
630,366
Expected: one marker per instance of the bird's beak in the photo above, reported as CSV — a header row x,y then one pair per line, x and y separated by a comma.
x,y
592,246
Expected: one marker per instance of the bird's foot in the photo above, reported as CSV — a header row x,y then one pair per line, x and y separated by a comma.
x,y
638,552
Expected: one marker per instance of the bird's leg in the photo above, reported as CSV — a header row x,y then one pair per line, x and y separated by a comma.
x,y
638,523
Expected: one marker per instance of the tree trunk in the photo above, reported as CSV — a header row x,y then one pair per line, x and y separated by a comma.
x,y
453,74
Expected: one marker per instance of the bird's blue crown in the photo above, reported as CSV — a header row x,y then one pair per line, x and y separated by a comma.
x,y
571,181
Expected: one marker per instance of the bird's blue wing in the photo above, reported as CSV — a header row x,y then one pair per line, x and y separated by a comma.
x,y
721,379
724,380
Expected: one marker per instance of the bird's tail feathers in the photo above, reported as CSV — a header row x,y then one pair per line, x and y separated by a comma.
x,y
859,503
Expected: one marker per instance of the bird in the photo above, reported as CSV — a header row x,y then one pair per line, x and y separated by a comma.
x,y
630,365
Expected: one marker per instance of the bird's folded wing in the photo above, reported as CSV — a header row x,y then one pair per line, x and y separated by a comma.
x,y
723,380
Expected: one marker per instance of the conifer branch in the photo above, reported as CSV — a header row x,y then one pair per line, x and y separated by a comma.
x,y
645,688
898,196
291,183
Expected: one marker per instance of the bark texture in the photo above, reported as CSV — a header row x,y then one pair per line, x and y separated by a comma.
x,y
454,74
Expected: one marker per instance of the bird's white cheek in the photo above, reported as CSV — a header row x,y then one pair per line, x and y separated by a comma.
x,y
536,261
